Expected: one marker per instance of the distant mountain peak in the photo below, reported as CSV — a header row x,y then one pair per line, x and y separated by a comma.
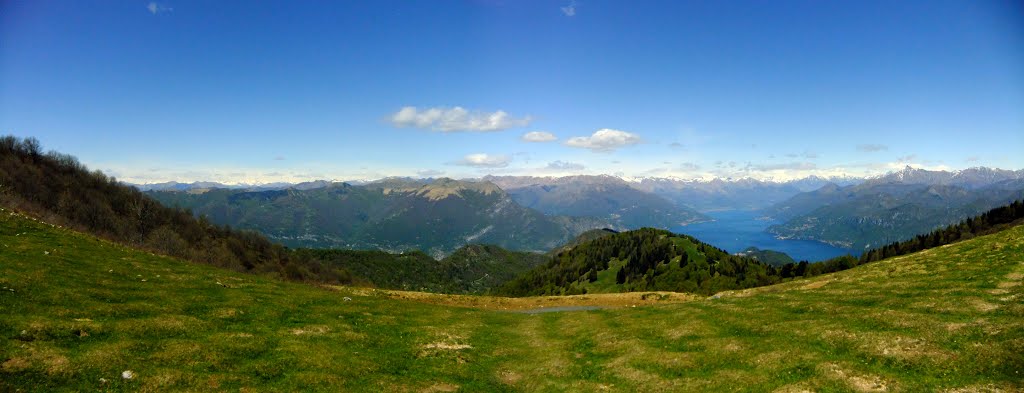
x,y
970,178
445,187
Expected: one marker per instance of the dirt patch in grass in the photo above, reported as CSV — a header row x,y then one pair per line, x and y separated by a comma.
x,y
314,330
529,303
441,387
906,348
979,389
816,284
794,388
447,346
14,365
509,377
226,312
857,382
983,306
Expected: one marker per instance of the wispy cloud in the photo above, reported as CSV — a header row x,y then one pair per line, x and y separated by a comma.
x,y
564,166
482,160
872,147
279,158
155,8
604,140
539,136
907,158
570,10
689,167
429,173
789,166
806,154
456,119
973,159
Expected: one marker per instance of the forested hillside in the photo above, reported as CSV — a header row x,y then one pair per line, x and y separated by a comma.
x,y
60,190
642,260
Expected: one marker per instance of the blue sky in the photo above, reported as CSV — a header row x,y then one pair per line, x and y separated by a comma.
x,y
289,91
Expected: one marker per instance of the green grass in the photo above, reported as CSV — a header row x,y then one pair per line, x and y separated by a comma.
x,y
947,318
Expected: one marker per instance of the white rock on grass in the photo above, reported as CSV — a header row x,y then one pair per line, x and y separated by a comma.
x,y
127,374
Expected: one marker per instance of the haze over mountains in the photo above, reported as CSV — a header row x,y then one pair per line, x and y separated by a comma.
x,y
436,216
597,196
537,213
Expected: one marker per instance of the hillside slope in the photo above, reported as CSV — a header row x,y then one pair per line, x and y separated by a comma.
x,y
80,311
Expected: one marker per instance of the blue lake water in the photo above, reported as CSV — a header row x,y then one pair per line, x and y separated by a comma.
x,y
735,230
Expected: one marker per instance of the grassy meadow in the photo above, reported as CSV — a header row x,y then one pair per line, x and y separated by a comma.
x,y
77,312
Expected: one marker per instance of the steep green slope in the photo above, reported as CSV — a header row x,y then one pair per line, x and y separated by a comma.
x,y
437,217
78,312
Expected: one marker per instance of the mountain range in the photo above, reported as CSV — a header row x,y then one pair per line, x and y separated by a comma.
x,y
436,216
733,194
605,197
893,207
536,213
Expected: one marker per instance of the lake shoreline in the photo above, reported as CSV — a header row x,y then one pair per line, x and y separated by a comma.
x,y
736,230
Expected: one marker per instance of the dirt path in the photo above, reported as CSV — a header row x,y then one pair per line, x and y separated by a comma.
x,y
535,304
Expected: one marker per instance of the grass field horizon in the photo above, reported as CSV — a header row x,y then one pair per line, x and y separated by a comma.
x,y
80,311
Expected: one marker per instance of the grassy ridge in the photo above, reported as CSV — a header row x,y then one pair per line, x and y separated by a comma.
x,y
84,310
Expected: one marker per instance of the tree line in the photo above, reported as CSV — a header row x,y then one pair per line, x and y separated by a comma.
x,y
988,222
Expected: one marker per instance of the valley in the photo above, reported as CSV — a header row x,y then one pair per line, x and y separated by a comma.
x,y
947,318
512,196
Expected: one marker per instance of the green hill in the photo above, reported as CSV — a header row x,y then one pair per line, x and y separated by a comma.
x,y
78,312
771,257
642,260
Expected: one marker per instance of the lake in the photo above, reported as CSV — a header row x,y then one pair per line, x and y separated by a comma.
x,y
735,230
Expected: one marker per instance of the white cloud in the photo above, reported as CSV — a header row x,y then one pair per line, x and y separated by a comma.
x,y
564,166
539,136
456,119
604,140
872,147
155,8
569,10
482,160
